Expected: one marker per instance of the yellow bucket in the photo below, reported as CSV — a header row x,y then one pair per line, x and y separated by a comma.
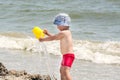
x,y
38,32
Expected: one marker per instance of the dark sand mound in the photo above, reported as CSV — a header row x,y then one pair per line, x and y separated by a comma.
x,y
20,75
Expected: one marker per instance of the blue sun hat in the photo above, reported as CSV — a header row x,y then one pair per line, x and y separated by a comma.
x,y
62,19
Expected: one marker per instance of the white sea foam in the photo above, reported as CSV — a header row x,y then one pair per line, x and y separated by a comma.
x,y
98,52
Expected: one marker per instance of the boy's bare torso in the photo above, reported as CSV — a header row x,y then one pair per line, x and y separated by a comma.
x,y
66,44
65,37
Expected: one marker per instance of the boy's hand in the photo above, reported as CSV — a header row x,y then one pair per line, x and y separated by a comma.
x,y
45,31
41,39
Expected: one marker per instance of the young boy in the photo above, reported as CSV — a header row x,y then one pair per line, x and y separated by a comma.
x,y
62,21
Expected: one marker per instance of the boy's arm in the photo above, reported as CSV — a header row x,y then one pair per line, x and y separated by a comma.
x,y
47,33
54,37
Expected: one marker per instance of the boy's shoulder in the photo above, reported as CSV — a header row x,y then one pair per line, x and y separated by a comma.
x,y
65,32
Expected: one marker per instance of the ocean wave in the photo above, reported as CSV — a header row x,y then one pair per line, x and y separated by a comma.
x,y
98,52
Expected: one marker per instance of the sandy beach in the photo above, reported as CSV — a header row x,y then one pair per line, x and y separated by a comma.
x,y
34,64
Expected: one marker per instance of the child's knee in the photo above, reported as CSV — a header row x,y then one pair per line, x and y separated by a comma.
x,y
66,72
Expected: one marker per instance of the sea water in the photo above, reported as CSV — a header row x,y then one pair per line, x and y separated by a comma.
x,y
96,36
91,20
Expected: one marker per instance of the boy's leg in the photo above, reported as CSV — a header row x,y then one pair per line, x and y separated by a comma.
x,y
65,73
62,75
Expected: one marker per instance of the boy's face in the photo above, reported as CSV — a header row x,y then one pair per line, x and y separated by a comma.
x,y
63,28
60,27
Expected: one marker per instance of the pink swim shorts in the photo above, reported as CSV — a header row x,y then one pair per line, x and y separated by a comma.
x,y
68,59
